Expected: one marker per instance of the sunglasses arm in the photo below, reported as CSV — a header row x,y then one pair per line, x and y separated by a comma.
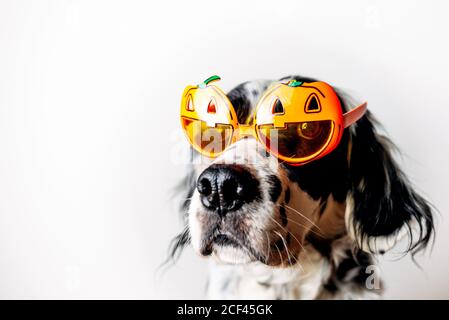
x,y
355,114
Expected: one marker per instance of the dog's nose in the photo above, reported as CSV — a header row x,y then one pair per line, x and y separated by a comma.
x,y
225,188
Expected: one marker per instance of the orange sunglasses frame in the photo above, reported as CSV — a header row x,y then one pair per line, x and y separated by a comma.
x,y
208,103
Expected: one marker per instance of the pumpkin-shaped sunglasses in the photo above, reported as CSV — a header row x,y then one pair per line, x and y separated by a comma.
x,y
297,122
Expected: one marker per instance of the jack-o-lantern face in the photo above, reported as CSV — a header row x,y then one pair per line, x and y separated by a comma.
x,y
208,118
297,122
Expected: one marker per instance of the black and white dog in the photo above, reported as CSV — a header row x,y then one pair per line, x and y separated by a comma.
x,y
307,232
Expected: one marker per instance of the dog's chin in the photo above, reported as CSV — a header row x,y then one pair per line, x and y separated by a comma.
x,y
226,254
230,255
226,249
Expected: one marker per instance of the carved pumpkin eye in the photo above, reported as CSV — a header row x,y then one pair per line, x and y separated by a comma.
x,y
313,104
189,103
277,108
211,107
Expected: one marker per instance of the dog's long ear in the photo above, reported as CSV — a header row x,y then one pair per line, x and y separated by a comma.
x,y
185,188
382,206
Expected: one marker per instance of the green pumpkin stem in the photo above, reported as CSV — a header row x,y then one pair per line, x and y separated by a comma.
x,y
294,83
211,79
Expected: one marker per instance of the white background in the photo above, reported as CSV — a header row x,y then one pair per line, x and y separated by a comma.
x,y
89,99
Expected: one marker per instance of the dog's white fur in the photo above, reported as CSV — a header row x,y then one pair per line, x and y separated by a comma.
x,y
305,281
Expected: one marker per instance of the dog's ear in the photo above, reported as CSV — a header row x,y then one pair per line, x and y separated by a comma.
x,y
382,206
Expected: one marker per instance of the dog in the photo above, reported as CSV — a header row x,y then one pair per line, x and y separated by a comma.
x,y
301,232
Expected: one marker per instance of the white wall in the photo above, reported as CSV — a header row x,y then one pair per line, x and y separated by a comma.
x,y
89,95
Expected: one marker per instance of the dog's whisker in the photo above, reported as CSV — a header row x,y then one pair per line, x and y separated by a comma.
x,y
300,224
280,254
296,260
304,226
284,229
302,215
285,246
268,246
282,238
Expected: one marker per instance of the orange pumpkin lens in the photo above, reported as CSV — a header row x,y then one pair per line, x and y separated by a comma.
x,y
310,130
209,141
296,141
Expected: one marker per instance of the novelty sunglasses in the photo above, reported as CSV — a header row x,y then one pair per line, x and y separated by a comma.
x,y
297,122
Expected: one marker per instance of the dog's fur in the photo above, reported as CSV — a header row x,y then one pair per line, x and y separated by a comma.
x,y
312,231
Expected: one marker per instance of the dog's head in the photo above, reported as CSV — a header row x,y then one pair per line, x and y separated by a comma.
x,y
246,205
